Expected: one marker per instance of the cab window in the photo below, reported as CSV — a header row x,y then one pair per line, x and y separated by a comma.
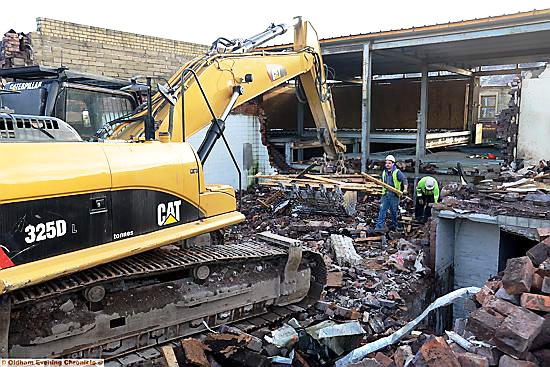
x,y
87,111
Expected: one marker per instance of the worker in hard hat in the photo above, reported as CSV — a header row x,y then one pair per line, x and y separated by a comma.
x,y
427,193
392,176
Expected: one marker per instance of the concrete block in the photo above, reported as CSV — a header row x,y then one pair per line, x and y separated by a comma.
x,y
436,352
507,361
518,275
344,251
537,302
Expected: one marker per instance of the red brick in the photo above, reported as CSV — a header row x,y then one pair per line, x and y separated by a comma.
x,y
545,285
539,253
507,361
544,336
483,293
436,352
517,332
472,360
518,275
491,353
483,323
537,302
536,284
499,305
383,359
544,269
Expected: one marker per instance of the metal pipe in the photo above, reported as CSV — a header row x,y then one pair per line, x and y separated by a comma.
x,y
217,127
149,122
271,32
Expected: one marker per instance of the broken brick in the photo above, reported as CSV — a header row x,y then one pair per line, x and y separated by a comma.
x,y
499,305
483,293
537,302
544,336
436,352
194,352
383,359
545,285
334,279
467,359
539,253
483,324
507,361
536,284
517,332
518,275
491,353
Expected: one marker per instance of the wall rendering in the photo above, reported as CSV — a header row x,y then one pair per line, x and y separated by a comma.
x,y
534,118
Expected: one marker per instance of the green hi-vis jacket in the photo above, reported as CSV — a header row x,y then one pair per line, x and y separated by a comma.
x,y
422,191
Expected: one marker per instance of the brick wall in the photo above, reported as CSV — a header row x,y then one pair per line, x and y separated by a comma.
x,y
108,52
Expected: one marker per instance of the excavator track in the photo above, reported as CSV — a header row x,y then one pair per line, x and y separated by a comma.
x,y
124,310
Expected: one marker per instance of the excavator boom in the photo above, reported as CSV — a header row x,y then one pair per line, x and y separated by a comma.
x,y
218,82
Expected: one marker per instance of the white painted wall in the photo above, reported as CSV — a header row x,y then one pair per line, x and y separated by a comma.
x,y
239,130
534,118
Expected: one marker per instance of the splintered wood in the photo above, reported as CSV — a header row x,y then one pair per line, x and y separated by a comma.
x,y
352,182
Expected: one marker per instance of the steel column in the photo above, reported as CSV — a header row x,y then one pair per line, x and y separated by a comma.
x,y
366,100
422,124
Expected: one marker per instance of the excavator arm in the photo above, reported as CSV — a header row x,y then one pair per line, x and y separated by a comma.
x,y
208,88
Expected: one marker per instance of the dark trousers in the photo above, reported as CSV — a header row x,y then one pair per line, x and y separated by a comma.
x,y
423,211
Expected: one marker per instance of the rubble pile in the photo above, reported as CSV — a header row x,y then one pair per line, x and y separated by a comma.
x,y
502,195
376,284
508,326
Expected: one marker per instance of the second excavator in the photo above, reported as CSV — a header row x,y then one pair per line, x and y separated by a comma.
x,y
115,246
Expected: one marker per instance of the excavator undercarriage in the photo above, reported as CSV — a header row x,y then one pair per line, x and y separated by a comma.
x,y
151,298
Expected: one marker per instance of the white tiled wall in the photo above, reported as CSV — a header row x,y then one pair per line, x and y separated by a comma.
x,y
219,168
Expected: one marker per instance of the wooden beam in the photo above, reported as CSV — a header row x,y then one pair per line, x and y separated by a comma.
x,y
382,183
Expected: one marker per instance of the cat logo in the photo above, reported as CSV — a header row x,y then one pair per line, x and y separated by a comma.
x,y
275,71
168,213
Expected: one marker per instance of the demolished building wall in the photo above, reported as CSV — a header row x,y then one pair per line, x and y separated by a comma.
x,y
105,51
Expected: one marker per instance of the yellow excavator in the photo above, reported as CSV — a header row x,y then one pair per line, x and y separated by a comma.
x,y
112,247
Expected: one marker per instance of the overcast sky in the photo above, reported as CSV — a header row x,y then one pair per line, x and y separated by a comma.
x,y
203,21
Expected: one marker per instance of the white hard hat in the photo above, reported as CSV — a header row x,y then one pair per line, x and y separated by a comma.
x,y
430,183
390,158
